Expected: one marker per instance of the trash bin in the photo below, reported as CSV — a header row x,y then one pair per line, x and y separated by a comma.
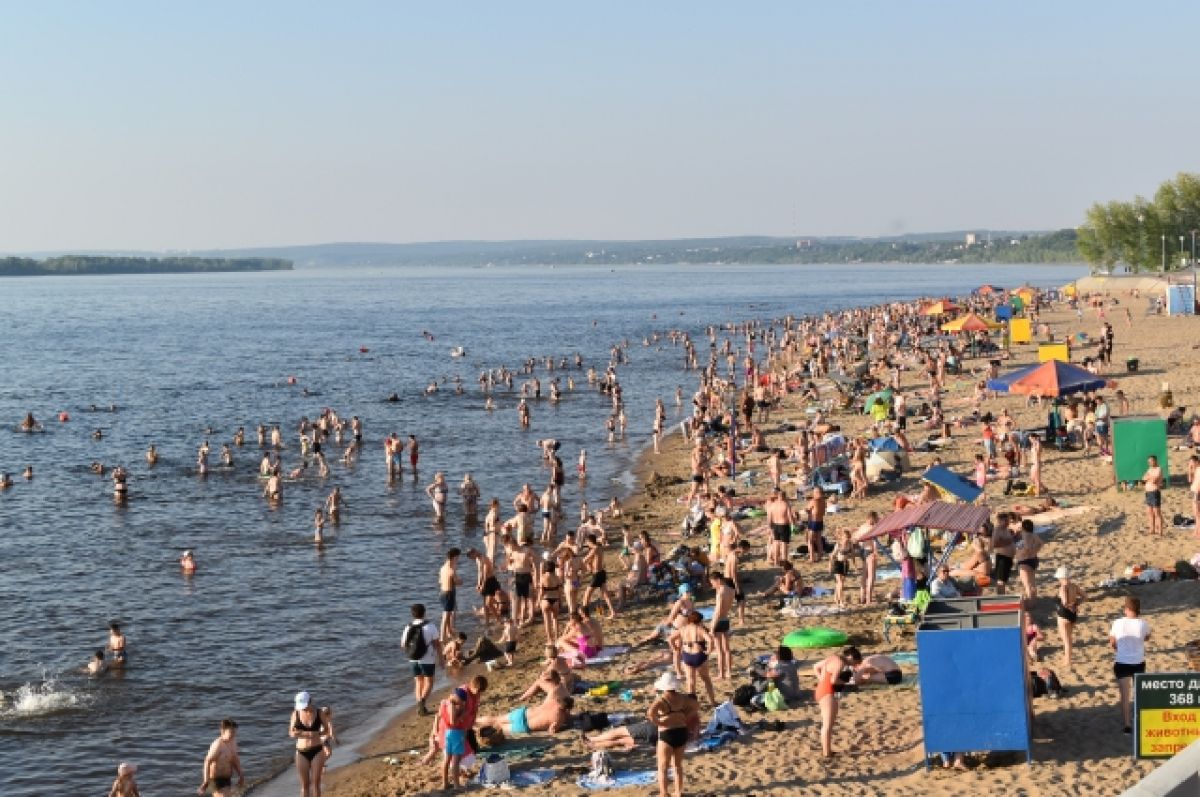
x,y
1131,365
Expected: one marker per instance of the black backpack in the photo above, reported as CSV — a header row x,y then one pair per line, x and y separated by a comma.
x,y
414,640
1184,569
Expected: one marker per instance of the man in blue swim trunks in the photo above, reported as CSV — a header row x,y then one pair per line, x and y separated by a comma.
x,y
553,715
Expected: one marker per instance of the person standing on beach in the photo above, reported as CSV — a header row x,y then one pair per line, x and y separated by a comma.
x,y
1128,639
673,713
722,608
422,644
1066,610
830,672
1004,548
780,519
448,582
816,524
593,562
1194,485
222,763
1152,483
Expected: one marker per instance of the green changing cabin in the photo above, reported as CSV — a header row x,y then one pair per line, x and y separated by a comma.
x,y
1134,439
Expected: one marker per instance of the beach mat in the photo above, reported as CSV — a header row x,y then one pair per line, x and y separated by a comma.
x,y
520,780
1051,515
887,574
905,658
709,743
619,780
608,654
518,750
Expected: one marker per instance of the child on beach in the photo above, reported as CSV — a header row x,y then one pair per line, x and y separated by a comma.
x,y
508,639
1033,635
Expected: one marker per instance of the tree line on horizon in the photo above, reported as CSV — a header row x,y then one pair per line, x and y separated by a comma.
x,y
1158,234
93,264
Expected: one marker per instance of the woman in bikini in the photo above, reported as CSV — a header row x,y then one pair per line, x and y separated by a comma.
x,y
437,493
549,594
1028,547
839,565
312,731
1066,610
673,714
694,642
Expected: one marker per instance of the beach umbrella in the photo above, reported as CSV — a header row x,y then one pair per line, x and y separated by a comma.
x,y
940,307
884,395
1057,378
950,485
1001,383
971,322
885,444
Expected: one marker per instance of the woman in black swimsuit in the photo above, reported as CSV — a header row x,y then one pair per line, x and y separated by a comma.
x,y
674,714
1066,609
549,594
312,730
694,642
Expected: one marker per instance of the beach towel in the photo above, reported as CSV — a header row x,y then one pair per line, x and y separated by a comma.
x,y
514,750
1050,515
887,574
519,780
619,780
811,611
706,612
710,743
905,658
608,654
909,681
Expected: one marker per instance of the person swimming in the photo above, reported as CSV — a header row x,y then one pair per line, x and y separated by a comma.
x,y
187,563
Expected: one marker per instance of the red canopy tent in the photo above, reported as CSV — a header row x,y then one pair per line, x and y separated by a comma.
x,y
936,515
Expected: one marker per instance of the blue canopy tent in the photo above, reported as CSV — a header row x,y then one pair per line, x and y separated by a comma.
x,y
1003,312
951,486
1001,383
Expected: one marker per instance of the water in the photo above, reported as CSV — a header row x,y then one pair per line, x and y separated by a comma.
x,y
267,614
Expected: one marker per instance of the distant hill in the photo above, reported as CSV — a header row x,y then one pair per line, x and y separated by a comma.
x,y
989,246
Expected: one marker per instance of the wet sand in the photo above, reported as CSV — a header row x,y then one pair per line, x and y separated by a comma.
x,y
1078,744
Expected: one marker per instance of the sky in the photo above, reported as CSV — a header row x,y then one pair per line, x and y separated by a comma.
x,y
170,125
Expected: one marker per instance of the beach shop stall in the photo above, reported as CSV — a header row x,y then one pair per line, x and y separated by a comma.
x,y
1020,330
1181,300
957,641
1054,351
1133,440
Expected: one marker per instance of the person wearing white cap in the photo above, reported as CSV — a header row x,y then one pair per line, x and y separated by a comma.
x,y
125,785
1066,610
312,730
677,717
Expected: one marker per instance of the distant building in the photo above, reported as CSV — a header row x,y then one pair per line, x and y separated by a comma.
x,y
972,239
804,243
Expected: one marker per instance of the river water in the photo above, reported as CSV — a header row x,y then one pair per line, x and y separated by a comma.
x,y
267,614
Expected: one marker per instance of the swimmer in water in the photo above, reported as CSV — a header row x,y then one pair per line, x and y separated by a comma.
x,y
98,434
187,563
5,481
273,490
151,455
202,458
226,456
96,664
333,506
437,493
30,424
239,437
28,473
116,644
97,468
120,484
469,491
261,431
319,525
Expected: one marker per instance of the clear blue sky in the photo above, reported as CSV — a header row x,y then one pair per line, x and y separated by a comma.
x,y
217,124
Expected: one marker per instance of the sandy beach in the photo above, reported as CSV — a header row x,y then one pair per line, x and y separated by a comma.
x,y
1078,746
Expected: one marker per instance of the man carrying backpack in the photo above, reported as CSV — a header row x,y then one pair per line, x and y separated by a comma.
x,y
424,649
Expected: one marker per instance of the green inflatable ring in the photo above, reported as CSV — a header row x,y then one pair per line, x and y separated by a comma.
x,y
815,637
756,513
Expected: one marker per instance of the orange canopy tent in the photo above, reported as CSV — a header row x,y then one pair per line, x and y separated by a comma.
x,y
971,322
940,307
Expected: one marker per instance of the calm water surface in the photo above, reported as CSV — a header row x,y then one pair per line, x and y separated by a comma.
x,y
267,614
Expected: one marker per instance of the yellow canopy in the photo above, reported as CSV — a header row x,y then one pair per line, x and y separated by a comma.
x,y
971,322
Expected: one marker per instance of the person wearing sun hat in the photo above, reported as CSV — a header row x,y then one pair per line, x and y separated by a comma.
x,y
1066,610
125,785
673,713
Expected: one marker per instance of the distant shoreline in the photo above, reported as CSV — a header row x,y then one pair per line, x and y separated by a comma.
x,y
76,265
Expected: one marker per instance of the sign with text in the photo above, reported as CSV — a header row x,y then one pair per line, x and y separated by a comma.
x,y
1166,713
